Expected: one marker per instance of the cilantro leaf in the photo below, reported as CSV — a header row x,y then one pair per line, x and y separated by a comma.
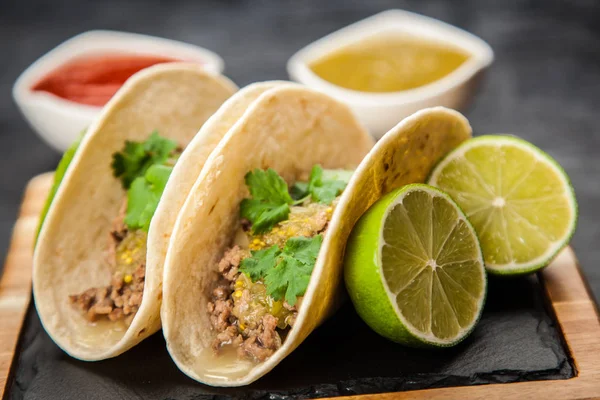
x,y
263,215
299,190
290,278
261,261
267,185
270,200
343,175
286,273
128,163
325,186
143,196
136,157
303,248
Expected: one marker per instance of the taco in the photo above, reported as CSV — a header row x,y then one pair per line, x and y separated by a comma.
x,y
97,273
255,260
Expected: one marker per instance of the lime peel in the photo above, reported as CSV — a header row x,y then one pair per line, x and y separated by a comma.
x,y
540,160
369,287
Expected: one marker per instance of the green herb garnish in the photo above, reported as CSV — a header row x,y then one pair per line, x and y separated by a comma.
x,y
299,191
270,200
257,266
323,186
286,272
136,157
143,196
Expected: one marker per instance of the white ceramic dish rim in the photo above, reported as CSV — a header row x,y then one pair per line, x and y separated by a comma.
x,y
388,21
98,42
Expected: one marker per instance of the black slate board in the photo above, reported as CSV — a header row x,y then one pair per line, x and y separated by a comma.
x,y
516,340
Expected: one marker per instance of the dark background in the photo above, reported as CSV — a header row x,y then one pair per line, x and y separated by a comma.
x,y
544,85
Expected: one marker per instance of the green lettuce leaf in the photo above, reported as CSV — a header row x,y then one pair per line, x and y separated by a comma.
x,y
59,175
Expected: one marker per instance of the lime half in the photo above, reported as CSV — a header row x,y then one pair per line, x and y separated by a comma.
x,y
414,269
518,198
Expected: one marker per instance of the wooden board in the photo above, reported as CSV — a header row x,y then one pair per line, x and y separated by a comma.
x,y
15,285
568,295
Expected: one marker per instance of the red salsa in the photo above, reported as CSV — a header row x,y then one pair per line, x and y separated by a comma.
x,y
93,80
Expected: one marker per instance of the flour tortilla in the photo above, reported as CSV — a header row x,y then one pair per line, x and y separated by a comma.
x,y
175,99
184,176
288,129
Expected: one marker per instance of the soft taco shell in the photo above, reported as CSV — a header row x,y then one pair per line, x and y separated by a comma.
x,y
175,99
184,176
404,155
288,129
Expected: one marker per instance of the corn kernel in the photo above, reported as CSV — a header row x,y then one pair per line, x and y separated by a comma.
x,y
242,326
256,241
237,293
239,284
127,278
329,209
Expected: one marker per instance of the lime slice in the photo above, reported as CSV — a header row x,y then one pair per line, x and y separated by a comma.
x,y
518,198
414,269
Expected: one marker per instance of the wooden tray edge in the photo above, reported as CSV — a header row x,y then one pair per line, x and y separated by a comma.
x,y
15,283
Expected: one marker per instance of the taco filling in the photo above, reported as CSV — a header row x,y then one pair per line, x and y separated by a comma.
x,y
265,272
143,169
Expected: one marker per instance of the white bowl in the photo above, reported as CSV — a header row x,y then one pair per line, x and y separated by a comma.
x,y
382,111
58,121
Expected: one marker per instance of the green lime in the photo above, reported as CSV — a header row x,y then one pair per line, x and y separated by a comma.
x,y
518,198
414,269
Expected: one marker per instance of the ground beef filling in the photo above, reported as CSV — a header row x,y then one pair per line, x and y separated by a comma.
x,y
241,313
122,298
237,320
117,301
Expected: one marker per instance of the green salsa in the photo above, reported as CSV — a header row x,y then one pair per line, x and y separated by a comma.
x,y
389,63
